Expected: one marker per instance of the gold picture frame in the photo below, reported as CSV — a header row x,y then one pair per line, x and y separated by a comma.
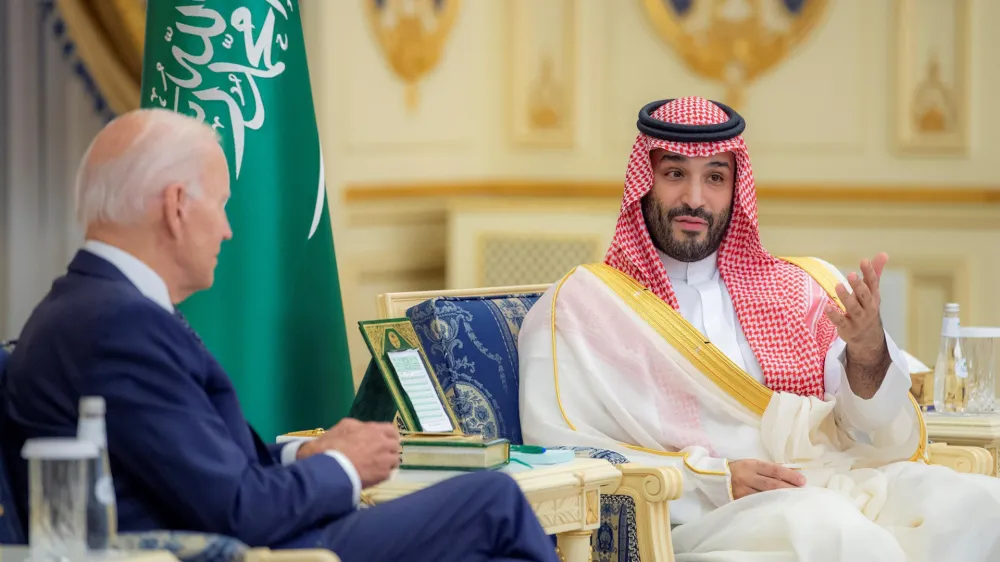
x,y
931,56
542,53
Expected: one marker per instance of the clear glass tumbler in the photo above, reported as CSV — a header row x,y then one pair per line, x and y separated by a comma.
x,y
981,348
57,491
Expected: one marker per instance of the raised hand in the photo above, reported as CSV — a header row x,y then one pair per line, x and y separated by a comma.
x,y
860,326
861,323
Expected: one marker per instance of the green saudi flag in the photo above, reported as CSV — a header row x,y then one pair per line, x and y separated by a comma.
x,y
274,318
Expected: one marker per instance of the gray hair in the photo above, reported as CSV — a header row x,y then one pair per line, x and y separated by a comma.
x,y
169,148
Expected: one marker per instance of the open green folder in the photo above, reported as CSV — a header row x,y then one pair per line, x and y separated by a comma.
x,y
400,382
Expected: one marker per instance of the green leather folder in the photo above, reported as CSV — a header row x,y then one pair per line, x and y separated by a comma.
x,y
381,396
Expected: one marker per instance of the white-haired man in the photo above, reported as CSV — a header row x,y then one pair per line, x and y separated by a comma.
x,y
152,192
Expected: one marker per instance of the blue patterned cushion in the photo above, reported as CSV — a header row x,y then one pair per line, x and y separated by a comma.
x,y
186,546
11,531
472,344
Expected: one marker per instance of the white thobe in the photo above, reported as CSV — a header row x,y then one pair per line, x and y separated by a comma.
x,y
705,302
604,364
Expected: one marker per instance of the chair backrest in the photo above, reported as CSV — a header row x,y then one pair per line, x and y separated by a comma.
x,y
395,305
11,531
470,337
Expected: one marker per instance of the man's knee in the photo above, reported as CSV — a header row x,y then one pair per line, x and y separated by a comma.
x,y
494,486
493,480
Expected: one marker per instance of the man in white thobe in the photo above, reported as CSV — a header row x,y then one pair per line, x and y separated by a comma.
x,y
769,382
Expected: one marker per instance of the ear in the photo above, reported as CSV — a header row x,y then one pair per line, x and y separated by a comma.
x,y
174,208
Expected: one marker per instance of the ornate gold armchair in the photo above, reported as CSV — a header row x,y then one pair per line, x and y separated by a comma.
x,y
471,337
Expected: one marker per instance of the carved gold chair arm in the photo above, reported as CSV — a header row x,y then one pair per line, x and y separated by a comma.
x,y
970,460
299,555
651,487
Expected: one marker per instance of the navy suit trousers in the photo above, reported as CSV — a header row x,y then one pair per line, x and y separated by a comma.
x,y
478,517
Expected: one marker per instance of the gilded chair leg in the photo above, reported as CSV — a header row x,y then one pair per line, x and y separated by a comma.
x,y
574,546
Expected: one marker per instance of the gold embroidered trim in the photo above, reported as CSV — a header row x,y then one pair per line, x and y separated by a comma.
x,y
555,359
684,337
707,358
555,374
685,456
828,281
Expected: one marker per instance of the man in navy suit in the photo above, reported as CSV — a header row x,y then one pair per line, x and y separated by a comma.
x,y
152,192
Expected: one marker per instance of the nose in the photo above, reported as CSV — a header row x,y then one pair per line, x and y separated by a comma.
x,y
227,234
694,194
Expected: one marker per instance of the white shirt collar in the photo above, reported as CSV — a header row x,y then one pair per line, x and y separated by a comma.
x,y
691,272
138,273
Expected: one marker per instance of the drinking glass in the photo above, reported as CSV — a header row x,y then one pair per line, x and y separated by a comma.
x,y
57,491
980,347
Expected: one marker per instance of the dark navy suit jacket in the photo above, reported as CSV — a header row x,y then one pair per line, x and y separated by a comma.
x,y
182,454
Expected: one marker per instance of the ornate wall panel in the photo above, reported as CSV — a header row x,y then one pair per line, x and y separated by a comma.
x,y
931,58
508,259
543,57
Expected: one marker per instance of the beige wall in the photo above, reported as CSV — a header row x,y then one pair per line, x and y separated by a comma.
x,y
823,119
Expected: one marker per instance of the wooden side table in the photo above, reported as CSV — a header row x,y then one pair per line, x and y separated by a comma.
x,y
566,497
980,430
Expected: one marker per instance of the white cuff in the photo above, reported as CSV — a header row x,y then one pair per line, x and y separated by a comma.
x,y
884,406
290,451
351,472
711,475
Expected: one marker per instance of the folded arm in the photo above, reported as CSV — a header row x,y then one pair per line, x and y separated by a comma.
x,y
165,430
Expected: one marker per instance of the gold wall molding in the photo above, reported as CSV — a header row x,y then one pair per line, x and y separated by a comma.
x,y
412,35
734,49
791,192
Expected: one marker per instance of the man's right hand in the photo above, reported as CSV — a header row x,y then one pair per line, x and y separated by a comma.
x,y
373,448
751,476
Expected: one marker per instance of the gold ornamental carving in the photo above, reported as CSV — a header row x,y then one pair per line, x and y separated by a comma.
x,y
412,35
558,511
546,98
934,109
734,41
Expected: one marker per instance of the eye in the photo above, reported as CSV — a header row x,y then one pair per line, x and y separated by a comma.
x,y
716,177
673,173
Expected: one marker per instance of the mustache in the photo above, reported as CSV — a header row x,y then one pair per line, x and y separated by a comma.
x,y
687,211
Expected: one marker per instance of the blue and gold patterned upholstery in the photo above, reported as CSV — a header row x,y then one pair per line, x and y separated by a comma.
x,y
186,546
472,345
471,342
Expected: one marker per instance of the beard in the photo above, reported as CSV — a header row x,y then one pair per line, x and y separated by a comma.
x,y
690,247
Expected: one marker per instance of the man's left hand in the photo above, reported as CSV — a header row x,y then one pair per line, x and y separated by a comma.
x,y
861,324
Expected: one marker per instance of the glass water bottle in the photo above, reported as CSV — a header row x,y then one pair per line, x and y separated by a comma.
x,y
102,516
950,372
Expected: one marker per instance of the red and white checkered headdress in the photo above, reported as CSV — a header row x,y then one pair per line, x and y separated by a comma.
x,y
776,302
